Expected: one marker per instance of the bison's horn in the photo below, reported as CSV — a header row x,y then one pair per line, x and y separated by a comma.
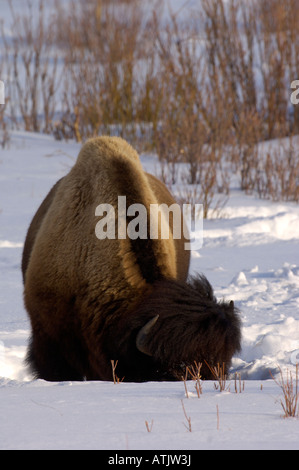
x,y
142,336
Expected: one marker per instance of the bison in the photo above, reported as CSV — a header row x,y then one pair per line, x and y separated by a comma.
x,y
94,299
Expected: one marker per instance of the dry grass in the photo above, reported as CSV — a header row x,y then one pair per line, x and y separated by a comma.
x,y
195,374
220,376
188,418
239,385
279,180
31,69
218,418
116,380
290,390
148,426
202,91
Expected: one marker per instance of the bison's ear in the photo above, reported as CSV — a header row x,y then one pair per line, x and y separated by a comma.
x,y
141,338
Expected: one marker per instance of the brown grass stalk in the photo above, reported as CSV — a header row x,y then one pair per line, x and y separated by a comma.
x,y
219,375
194,372
188,418
239,385
116,380
148,426
218,419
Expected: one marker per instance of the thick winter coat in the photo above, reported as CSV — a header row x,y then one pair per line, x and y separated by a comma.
x,y
128,299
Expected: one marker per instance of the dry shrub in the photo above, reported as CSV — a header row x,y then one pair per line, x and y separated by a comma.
x,y
104,90
194,372
252,55
278,48
185,133
229,58
290,390
278,180
31,65
219,374
201,89
244,155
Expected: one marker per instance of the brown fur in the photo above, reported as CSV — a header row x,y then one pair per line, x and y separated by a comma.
x,y
86,297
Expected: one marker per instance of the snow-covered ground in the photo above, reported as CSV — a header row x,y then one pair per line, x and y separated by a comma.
x,y
250,254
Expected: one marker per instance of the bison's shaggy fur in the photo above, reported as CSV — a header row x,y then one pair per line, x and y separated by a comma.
x,y
91,301
191,327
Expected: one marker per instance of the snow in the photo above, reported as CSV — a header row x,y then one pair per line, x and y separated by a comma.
x,y
250,255
94,415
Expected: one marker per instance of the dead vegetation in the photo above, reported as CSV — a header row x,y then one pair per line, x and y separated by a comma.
x,y
200,89
290,391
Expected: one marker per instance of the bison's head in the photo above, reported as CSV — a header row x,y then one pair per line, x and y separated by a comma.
x,y
182,323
